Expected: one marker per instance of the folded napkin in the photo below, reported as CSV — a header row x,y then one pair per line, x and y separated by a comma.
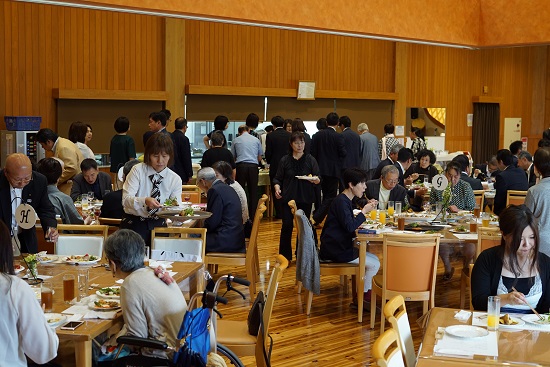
x,y
463,315
165,264
103,315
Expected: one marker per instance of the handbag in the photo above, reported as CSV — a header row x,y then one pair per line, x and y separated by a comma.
x,y
255,314
196,335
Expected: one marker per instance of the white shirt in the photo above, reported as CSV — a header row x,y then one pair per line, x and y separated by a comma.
x,y
383,195
15,197
138,186
86,151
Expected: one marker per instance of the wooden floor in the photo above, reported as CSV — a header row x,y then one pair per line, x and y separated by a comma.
x,y
331,335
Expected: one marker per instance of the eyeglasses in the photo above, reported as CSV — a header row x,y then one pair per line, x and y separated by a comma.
x,y
20,180
392,182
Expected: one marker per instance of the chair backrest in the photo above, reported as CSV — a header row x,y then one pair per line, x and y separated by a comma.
x,y
77,239
281,263
487,237
470,268
386,351
480,198
515,197
293,209
190,188
410,262
253,241
178,244
194,196
263,200
396,313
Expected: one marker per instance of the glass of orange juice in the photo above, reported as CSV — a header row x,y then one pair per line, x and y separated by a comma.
x,y
390,209
382,217
373,214
493,312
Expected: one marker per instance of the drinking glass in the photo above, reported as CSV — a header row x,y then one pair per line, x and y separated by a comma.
x,y
477,211
186,196
493,312
68,288
485,219
390,209
401,222
147,254
382,205
84,202
91,196
46,296
473,225
373,214
398,208
426,181
382,217
83,275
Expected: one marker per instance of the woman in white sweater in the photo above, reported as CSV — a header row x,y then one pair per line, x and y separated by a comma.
x,y
24,328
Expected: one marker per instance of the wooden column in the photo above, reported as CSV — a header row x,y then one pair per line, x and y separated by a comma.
x,y
539,98
175,67
401,78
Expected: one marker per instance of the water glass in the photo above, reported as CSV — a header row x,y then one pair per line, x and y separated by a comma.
x,y
91,196
493,313
46,296
426,181
398,208
382,205
83,276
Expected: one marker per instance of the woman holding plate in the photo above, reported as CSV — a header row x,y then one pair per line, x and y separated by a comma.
x,y
515,271
296,177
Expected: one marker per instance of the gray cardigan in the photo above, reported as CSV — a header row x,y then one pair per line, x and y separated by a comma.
x,y
307,258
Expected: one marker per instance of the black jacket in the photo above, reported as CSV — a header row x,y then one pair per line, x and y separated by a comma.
x,y
328,148
276,147
512,178
182,156
352,142
474,182
398,193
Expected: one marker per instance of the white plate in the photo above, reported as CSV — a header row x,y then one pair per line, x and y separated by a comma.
x,y
68,260
307,178
457,231
94,307
18,270
534,319
520,322
466,331
109,296
47,259
55,319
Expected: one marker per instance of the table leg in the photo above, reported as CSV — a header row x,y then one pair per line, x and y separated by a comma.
x,y
83,353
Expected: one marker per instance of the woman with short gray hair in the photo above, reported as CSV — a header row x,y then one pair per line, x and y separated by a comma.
x,y
151,308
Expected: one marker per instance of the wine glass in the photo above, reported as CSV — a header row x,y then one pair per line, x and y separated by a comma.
x,y
186,196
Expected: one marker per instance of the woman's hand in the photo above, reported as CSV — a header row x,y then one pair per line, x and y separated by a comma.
x,y
277,191
454,208
513,298
152,203
316,181
371,205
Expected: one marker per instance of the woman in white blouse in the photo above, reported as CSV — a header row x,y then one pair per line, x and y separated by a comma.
x,y
139,201
78,132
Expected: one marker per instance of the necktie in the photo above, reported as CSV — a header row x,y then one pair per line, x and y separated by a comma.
x,y
156,179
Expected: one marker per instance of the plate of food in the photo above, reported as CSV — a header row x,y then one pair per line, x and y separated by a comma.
x,y
55,319
18,268
307,178
46,258
185,214
421,227
534,319
109,292
171,203
507,321
105,305
466,331
81,259
460,229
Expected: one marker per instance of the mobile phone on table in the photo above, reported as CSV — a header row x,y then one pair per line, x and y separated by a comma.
x,y
72,325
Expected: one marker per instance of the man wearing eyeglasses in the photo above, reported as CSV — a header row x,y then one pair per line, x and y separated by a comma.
x,y
20,184
386,188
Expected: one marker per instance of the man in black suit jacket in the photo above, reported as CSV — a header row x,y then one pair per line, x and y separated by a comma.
x,y
525,162
19,184
388,181
464,164
225,226
182,151
328,148
392,158
489,170
404,161
510,178
90,180
352,142
277,145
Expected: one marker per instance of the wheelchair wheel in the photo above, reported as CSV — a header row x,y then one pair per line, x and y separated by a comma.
x,y
228,356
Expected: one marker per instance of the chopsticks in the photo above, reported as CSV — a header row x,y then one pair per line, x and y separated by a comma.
x,y
532,309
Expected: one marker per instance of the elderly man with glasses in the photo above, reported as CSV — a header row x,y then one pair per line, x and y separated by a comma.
x,y
20,184
386,188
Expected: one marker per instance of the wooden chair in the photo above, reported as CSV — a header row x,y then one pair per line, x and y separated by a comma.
x,y
113,223
234,334
396,313
487,237
386,351
188,244
81,239
410,267
515,197
480,198
470,268
190,188
247,259
357,271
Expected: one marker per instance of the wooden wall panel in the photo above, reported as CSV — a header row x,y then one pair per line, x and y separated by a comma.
x,y
44,47
241,56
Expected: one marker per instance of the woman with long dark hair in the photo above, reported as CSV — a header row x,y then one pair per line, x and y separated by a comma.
x,y
515,271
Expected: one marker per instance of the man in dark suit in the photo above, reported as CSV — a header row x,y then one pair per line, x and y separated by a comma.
x,y
515,149
525,162
390,161
182,151
19,184
464,164
510,178
388,182
404,161
90,180
225,226
352,142
277,145
157,124
328,148
486,171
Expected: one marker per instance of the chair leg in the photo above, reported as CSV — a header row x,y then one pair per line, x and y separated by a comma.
x,y
462,291
382,317
425,307
257,262
309,302
372,309
359,289
299,287
344,281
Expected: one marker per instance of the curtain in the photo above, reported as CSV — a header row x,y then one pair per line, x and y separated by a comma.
x,y
485,131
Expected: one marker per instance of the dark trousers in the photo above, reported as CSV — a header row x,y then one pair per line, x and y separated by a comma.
x,y
247,174
285,241
277,203
142,226
329,186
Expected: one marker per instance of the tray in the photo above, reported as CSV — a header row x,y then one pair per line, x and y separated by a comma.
x,y
197,214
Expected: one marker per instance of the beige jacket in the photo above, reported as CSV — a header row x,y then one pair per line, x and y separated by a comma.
x,y
71,156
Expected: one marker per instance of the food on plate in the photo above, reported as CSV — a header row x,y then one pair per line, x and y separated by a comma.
x,y
79,258
414,225
171,202
102,303
546,320
432,231
108,291
507,320
461,229
53,320
187,212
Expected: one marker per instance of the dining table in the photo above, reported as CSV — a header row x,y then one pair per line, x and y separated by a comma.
x,y
450,340
99,277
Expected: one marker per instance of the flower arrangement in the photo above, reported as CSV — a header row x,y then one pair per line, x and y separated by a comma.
x,y
446,201
32,260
